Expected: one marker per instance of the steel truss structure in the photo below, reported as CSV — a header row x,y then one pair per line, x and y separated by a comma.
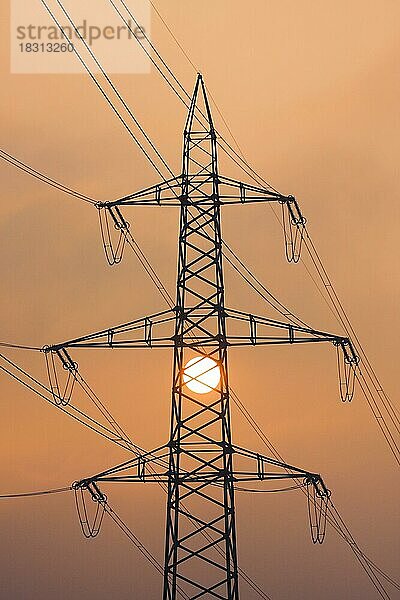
x,y
200,465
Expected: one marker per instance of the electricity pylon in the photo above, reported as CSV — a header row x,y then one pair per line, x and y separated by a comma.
x,y
200,465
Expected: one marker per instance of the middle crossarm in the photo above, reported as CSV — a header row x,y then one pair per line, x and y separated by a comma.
x,y
243,329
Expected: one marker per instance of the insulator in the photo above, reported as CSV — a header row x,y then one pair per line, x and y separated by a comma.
x,y
111,218
61,392
347,362
293,229
317,502
90,525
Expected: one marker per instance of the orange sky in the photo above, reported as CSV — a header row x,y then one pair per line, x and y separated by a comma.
x,y
311,92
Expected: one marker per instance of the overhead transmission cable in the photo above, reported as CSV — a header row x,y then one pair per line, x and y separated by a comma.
x,y
98,85
44,178
138,544
38,493
336,522
365,387
185,99
39,389
117,93
18,346
112,514
131,240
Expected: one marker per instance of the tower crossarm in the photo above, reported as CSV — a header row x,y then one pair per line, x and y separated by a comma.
x,y
165,193
149,466
233,191
252,466
243,329
230,191
253,330
249,466
146,332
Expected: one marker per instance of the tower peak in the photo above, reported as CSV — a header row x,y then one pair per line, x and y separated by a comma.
x,y
199,110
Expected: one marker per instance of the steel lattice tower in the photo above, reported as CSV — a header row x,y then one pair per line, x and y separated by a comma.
x,y
199,465
200,440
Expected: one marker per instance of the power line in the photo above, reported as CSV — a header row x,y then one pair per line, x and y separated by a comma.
x,y
39,493
264,292
131,241
348,327
18,346
43,178
174,37
221,141
379,418
117,93
70,410
138,543
104,94
267,296
195,69
149,55
367,392
111,512
338,524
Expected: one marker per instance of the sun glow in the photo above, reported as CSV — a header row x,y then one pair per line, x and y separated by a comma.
x,y
201,374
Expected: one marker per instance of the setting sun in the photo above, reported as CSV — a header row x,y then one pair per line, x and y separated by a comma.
x,y
201,374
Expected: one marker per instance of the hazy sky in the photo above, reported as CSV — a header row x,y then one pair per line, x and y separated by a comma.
x,y
311,92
